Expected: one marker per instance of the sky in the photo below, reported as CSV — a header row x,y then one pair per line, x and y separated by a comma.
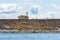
x,y
40,9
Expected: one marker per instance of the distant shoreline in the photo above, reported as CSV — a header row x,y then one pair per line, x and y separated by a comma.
x,y
17,31
30,25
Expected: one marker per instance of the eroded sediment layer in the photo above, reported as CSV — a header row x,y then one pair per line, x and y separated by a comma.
x,y
36,25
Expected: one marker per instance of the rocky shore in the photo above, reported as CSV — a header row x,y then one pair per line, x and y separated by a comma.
x,y
29,25
28,31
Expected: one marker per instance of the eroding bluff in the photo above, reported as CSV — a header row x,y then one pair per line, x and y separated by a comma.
x,y
30,25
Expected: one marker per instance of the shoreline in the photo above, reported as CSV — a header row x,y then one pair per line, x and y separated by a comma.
x,y
28,31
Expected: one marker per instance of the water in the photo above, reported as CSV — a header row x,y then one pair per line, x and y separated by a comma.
x,y
29,36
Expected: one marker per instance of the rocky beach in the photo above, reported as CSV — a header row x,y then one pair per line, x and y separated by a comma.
x,y
29,25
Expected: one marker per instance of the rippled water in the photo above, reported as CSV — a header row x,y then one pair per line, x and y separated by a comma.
x,y
29,36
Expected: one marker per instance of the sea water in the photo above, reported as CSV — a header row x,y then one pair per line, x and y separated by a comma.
x,y
29,36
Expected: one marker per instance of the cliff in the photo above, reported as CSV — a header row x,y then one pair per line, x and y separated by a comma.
x,y
30,24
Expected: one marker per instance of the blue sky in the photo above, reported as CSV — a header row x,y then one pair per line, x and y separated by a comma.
x,y
41,9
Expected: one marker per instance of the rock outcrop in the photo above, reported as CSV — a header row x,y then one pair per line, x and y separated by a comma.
x,y
30,24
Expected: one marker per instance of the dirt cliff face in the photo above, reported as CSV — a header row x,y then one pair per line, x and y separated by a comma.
x,y
30,24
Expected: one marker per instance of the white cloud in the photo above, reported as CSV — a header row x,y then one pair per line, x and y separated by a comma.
x,y
54,14
51,15
7,8
55,6
4,7
37,6
16,7
8,16
4,16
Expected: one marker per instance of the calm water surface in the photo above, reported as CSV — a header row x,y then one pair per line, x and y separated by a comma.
x,y
29,36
